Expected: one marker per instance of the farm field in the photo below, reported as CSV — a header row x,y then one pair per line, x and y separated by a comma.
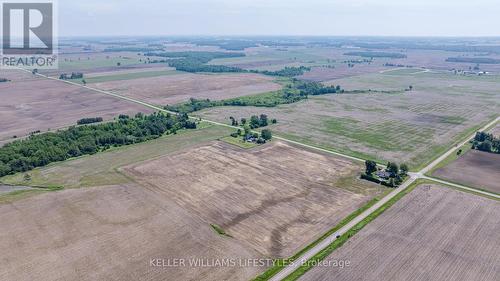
x,y
402,126
124,75
101,169
474,168
30,103
110,233
433,233
263,197
171,89
129,201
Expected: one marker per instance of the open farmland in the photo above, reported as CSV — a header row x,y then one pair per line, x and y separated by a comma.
x,y
397,125
101,169
29,103
474,168
433,233
177,88
275,198
110,233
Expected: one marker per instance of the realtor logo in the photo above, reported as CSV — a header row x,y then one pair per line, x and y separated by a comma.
x,y
28,34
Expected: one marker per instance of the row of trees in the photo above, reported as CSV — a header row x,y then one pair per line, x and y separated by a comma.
x,y
42,149
285,72
255,121
197,62
247,134
4,80
296,91
486,142
91,120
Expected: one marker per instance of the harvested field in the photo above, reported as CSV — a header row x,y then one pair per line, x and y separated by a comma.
x,y
401,126
474,168
275,199
173,89
29,103
320,74
433,233
110,233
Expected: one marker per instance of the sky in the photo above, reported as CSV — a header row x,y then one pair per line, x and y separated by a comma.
x,y
279,17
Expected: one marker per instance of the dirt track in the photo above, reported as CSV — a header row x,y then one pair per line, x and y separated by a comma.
x,y
434,233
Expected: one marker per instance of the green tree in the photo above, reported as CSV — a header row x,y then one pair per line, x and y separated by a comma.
x,y
393,168
371,167
404,169
267,134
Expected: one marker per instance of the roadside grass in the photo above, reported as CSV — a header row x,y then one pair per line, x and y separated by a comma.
x,y
101,168
239,142
279,264
343,238
126,76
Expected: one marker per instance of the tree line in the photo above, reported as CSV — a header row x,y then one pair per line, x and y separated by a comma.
x,y
4,80
42,149
296,91
91,120
193,62
486,142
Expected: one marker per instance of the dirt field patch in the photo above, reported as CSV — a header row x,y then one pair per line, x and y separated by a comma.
x,y
275,199
30,103
110,233
433,233
474,168
173,89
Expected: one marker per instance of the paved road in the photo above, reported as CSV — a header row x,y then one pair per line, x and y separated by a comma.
x,y
413,177
323,244
329,240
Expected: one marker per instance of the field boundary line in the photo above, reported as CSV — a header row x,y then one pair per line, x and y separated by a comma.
x,y
463,187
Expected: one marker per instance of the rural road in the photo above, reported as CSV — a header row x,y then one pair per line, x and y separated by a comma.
x,y
413,177
327,241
